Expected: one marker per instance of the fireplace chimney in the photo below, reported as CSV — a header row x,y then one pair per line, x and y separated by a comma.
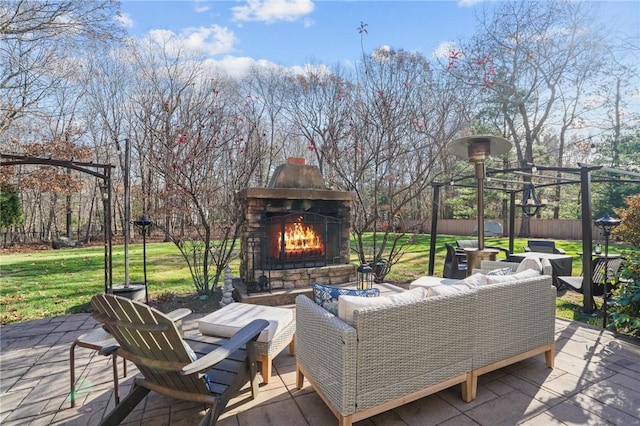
x,y
296,174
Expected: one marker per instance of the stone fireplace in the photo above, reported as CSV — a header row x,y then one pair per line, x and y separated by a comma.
x,y
296,231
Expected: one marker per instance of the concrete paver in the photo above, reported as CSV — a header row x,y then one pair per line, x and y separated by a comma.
x,y
596,380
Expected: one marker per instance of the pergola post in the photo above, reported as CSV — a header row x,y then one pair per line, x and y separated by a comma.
x,y
587,241
435,203
512,220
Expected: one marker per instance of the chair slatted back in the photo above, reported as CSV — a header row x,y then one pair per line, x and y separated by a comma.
x,y
150,340
541,246
600,269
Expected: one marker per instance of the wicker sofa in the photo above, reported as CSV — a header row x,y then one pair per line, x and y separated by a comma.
x,y
396,354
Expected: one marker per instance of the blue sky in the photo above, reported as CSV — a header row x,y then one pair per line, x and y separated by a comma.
x,y
294,32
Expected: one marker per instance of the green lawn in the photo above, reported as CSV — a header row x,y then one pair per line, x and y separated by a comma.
x,y
48,283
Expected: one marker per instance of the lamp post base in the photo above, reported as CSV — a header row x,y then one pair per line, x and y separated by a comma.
x,y
134,291
474,256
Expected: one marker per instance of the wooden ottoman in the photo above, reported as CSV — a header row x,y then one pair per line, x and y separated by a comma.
x,y
281,330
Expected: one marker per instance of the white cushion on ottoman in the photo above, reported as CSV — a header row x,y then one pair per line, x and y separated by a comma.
x,y
226,321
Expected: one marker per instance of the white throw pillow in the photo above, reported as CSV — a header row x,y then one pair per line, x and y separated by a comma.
x,y
429,281
497,279
546,264
348,304
530,263
527,273
442,290
475,280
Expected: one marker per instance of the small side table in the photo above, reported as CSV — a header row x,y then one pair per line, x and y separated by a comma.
x,y
95,340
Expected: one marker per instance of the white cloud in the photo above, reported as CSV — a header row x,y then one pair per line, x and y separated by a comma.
x,y
125,20
469,3
212,40
444,50
200,7
272,10
239,66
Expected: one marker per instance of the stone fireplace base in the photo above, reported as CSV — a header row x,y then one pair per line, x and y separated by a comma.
x,y
286,284
305,277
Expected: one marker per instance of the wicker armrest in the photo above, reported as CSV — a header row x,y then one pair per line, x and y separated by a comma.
x,y
530,321
327,349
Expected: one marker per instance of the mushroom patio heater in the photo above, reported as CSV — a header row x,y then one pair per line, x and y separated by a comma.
x,y
477,149
143,224
606,223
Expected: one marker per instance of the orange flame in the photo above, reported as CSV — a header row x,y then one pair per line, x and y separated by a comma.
x,y
301,238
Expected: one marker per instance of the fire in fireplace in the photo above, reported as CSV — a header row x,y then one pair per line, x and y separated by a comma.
x,y
301,240
298,240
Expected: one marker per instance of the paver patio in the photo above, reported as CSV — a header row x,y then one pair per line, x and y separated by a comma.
x,y
596,381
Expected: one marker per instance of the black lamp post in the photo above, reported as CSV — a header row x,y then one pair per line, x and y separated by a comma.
x,y
606,223
143,224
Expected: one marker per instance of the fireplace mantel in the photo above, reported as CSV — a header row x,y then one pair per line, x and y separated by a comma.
x,y
296,194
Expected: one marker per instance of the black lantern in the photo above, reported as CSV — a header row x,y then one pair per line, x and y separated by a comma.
x,y
365,276
144,224
531,205
606,223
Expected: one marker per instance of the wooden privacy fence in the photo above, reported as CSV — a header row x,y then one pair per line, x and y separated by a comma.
x,y
558,229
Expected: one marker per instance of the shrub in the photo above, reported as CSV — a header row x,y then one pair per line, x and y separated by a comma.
x,y
625,303
629,229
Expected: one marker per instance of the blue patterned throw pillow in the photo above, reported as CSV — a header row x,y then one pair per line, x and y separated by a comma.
x,y
503,271
327,296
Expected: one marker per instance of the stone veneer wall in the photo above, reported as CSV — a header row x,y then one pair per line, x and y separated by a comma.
x,y
260,201
304,277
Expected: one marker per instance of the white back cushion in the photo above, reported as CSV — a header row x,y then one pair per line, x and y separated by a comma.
x,y
348,304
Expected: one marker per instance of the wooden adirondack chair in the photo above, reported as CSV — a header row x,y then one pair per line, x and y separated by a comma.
x,y
150,340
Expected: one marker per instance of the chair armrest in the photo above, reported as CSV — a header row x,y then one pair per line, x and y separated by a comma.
x,y
527,249
560,251
247,333
506,252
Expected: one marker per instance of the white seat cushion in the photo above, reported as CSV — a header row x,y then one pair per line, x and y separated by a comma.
x,y
226,321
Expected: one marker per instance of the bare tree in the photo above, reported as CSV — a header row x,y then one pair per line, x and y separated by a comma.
x,y
192,123
401,118
34,36
264,93
524,58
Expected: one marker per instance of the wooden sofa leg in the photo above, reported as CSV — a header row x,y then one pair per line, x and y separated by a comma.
x,y
549,357
265,369
292,346
345,421
470,387
299,377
